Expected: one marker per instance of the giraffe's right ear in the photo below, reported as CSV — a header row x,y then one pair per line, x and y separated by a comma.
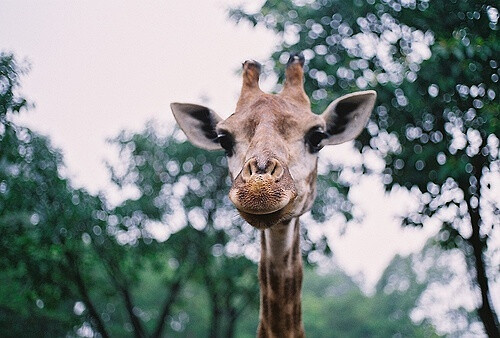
x,y
198,123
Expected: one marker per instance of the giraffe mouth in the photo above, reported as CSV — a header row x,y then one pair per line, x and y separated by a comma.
x,y
261,210
262,200
265,221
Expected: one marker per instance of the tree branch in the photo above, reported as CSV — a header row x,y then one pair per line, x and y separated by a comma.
x,y
93,313
136,322
166,307
121,285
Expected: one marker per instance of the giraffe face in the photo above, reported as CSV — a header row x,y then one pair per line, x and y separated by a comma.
x,y
272,142
271,160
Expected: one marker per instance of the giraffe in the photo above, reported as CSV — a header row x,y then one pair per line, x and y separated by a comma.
x,y
272,143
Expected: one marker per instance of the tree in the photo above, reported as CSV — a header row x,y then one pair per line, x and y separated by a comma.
x,y
335,306
182,192
435,68
64,265
42,220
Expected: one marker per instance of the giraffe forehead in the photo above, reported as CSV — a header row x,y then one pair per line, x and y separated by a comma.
x,y
273,114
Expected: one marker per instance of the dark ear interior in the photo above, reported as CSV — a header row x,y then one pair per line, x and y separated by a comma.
x,y
337,123
205,118
198,123
346,117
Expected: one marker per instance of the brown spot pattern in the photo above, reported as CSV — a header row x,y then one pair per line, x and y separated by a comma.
x,y
281,282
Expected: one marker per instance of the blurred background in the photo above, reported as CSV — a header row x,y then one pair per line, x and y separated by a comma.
x,y
112,225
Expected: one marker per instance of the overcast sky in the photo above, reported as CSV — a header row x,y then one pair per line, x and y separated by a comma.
x,y
98,67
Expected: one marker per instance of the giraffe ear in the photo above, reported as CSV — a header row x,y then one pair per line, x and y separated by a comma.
x,y
346,117
198,123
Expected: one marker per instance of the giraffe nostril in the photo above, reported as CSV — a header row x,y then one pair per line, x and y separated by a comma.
x,y
278,170
273,171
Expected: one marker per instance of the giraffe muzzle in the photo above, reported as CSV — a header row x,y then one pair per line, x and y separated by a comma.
x,y
262,188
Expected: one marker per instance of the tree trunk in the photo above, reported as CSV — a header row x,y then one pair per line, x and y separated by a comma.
x,y
231,325
216,312
486,312
215,321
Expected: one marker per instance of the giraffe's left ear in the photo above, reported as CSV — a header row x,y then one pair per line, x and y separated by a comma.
x,y
346,117
198,123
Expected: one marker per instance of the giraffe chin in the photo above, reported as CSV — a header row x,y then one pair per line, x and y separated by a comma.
x,y
265,221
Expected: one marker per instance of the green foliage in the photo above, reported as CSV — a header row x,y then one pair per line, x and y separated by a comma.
x,y
181,193
10,100
31,195
334,304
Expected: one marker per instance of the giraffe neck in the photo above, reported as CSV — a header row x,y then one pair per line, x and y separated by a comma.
x,y
280,275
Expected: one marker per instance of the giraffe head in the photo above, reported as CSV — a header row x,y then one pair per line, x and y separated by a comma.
x,y
272,142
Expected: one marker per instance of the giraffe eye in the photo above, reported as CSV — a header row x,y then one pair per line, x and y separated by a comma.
x,y
226,141
313,139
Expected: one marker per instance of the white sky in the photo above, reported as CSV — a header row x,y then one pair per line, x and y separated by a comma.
x,y
101,66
